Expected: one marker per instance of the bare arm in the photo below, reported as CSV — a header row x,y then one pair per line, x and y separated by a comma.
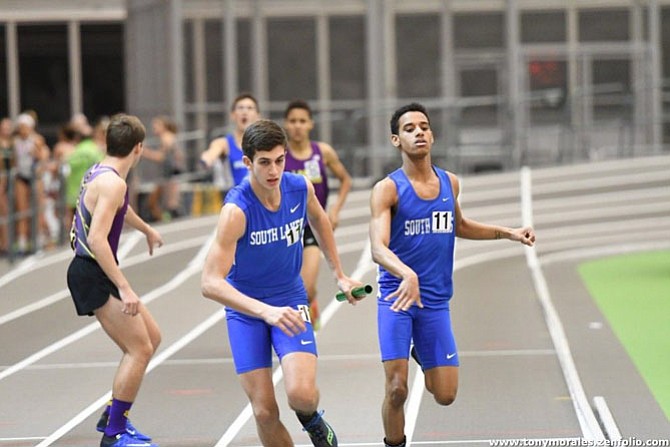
x,y
323,231
335,165
382,201
105,196
217,148
230,229
154,239
471,229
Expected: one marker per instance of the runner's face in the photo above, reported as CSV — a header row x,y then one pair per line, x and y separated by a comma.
x,y
268,166
244,113
414,134
298,125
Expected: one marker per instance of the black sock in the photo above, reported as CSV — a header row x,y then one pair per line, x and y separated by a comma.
x,y
401,444
306,418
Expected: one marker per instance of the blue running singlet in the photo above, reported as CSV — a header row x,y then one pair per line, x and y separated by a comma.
x,y
423,236
235,154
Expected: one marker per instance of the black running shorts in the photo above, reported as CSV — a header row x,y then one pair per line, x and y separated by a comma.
x,y
308,238
89,285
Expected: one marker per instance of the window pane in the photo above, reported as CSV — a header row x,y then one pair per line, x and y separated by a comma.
x,y
537,27
243,56
291,59
102,69
484,30
603,25
418,55
189,75
214,60
4,110
611,79
43,67
347,79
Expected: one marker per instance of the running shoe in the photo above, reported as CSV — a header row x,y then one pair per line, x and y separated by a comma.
x,y
130,429
320,432
123,440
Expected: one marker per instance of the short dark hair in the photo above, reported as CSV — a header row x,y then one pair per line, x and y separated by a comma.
x,y
412,107
123,134
298,104
240,97
263,135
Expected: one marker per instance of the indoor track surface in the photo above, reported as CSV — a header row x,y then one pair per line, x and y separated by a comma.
x,y
538,359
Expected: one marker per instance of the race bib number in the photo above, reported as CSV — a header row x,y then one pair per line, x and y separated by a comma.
x,y
304,312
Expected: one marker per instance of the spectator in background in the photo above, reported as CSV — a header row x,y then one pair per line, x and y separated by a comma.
x,y
172,158
87,152
6,164
68,137
243,112
30,153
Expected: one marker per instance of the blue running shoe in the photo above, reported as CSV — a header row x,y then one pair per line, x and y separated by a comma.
x,y
130,429
320,432
123,440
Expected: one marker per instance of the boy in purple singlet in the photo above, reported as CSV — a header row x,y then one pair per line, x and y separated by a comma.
x,y
97,284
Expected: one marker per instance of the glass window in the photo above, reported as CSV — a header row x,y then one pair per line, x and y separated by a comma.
x,y
597,25
482,30
43,70
103,74
539,27
611,88
347,79
189,75
214,60
418,55
4,109
243,56
479,82
291,58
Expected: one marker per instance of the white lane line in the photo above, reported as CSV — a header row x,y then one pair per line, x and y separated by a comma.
x,y
607,419
137,259
373,356
587,420
487,442
180,278
245,415
41,260
414,404
193,267
364,265
160,358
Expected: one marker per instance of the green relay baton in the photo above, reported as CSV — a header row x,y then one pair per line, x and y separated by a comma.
x,y
356,292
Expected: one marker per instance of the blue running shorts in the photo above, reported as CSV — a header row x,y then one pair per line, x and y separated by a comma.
x,y
252,339
429,328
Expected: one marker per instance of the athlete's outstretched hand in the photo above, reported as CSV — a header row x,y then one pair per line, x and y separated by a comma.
x,y
407,294
287,319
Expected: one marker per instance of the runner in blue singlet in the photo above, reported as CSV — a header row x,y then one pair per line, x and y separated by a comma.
x,y
244,111
415,219
253,268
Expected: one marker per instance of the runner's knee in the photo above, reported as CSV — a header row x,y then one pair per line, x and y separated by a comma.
x,y
303,398
445,397
396,392
266,414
